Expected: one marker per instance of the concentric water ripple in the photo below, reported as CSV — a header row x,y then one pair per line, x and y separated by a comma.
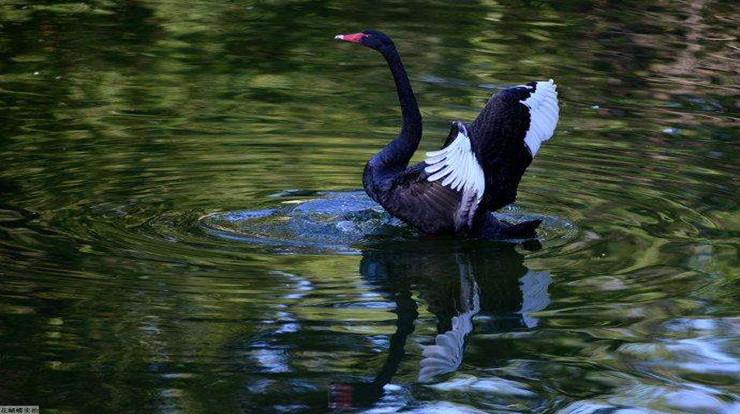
x,y
339,221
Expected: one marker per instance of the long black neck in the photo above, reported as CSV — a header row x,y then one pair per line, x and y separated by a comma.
x,y
397,153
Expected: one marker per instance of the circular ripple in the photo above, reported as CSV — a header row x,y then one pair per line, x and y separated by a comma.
x,y
338,221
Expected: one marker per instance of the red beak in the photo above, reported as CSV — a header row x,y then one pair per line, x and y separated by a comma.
x,y
352,38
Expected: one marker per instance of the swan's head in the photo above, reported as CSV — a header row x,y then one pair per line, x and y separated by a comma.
x,y
368,38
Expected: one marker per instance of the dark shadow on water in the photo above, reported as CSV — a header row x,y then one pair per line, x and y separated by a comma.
x,y
458,281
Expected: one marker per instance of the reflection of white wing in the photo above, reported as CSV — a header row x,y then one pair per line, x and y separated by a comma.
x,y
543,114
447,352
534,295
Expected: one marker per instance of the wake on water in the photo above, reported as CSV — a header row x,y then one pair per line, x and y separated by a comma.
x,y
336,220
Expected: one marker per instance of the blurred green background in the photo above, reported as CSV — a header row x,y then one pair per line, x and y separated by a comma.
x,y
124,122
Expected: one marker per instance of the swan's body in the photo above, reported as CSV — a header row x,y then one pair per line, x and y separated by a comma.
x,y
478,168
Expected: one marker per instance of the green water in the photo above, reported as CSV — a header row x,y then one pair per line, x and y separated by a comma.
x,y
126,125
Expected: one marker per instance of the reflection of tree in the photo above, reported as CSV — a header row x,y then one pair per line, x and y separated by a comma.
x,y
143,108
210,78
457,282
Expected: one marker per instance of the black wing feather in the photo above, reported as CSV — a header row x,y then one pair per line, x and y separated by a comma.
x,y
498,141
429,206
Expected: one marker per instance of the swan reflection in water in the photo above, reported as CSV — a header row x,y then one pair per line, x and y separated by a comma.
x,y
458,281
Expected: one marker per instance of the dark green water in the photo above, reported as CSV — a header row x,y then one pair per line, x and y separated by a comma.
x,y
126,125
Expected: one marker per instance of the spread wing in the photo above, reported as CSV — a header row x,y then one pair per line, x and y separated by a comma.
x,y
478,166
456,167
508,133
441,194
427,205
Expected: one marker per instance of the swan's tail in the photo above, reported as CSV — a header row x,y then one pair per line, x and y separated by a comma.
x,y
499,229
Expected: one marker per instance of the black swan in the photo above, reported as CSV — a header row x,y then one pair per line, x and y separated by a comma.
x,y
478,168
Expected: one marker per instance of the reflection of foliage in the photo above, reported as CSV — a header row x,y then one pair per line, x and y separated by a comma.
x,y
207,71
115,111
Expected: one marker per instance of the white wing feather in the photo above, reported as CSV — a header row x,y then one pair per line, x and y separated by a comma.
x,y
544,114
459,170
446,354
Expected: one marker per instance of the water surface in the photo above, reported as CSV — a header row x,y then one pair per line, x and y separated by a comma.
x,y
126,123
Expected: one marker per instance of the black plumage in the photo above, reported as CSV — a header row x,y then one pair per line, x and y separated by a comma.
x,y
497,140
